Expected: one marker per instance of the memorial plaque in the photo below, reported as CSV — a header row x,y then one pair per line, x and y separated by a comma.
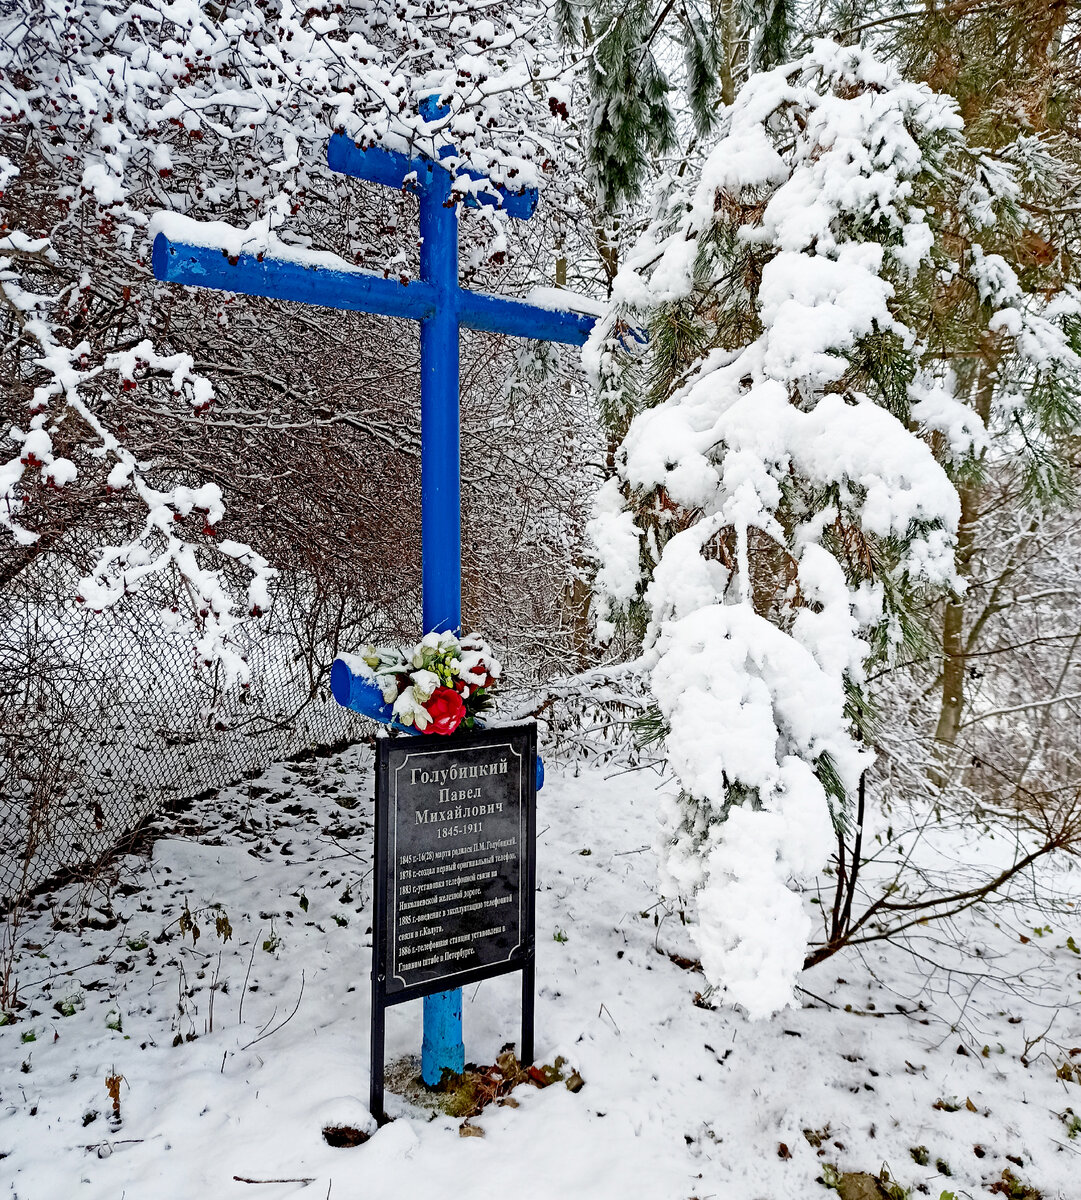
x,y
455,871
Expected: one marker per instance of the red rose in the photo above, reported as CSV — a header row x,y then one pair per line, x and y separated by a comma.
x,y
446,710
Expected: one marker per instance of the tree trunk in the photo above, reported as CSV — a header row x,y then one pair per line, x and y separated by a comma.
x,y
954,649
728,60
953,628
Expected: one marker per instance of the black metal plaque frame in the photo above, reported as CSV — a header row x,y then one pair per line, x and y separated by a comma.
x,y
522,958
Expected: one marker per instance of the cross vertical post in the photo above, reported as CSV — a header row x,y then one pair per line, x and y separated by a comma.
x,y
187,252
441,526
443,1047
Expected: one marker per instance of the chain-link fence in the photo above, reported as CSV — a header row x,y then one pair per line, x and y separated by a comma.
x,y
104,720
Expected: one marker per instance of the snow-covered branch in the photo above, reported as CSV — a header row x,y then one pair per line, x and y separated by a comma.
x,y
111,112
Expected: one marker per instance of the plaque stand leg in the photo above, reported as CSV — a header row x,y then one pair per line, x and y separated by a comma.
x,y
529,971
379,1022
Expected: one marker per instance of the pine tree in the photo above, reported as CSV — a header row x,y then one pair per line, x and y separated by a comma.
x,y
783,505
1015,76
654,66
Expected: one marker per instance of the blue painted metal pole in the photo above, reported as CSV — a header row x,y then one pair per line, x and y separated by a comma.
x,y
496,314
441,307
280,279
388,167
440,489
441,525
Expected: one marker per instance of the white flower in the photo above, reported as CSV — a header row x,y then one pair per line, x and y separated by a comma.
x,y
408,710
424,684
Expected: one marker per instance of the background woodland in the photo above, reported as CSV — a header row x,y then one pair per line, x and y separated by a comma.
x,y
305,423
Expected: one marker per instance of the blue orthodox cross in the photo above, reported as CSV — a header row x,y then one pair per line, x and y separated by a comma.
x,y
442,307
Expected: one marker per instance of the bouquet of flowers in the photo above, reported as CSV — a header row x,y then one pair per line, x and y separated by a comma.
x,y
439,685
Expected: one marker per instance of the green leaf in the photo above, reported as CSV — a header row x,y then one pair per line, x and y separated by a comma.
x,y
567,18
774,24
703,55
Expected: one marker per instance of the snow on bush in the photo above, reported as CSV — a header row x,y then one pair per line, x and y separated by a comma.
x,y
110,112
778,501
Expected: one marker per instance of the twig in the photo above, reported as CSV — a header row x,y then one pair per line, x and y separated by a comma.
x,y
269,1021
244,989
857,850
839,891
999,712
299,1179
642,766
213,989
820,999
604,1008
282,1024
1030,1043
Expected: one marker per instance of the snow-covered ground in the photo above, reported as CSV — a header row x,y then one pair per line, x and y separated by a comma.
x,y
236,1052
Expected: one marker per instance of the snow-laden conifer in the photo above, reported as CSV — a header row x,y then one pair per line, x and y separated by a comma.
x,y
652,66
778,512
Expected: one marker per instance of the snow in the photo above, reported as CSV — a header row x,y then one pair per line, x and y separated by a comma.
x,y
937,409
60,472
748,708
616,537
258,238
776,489
816,308
557,299
729,680
679,1100
753,928
106,185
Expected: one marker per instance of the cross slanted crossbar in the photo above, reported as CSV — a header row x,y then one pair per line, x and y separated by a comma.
x,y
442,307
